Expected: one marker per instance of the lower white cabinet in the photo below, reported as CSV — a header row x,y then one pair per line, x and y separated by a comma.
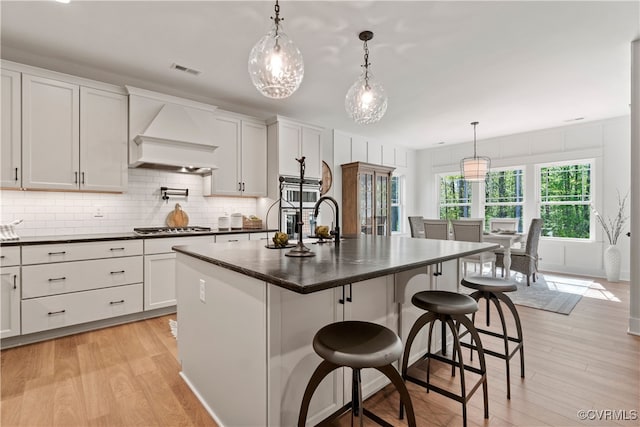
x,y
9,302
57,311
160,269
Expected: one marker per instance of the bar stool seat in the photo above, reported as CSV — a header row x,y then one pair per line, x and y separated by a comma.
x,y
452,309
492,289
356,345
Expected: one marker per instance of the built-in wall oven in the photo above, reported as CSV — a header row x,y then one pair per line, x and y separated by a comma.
x,y
290,205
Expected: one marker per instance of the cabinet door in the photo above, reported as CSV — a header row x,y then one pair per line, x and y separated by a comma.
x,y
9,302
289,141
10,168
254,159
371,301
159,280
50,133
226,180
294,319
312,150
103,140
365,201
382,203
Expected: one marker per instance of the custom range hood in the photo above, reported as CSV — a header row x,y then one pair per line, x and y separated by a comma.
x,y
170,133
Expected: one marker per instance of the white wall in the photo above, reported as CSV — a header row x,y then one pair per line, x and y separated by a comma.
x,y
66,213
606,141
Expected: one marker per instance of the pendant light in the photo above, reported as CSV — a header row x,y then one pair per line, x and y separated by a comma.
x,y
475,168
275,63
366,101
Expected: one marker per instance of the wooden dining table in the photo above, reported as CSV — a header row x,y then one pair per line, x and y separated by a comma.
x,y
506,240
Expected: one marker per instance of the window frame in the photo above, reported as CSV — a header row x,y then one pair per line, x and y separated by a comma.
x,y
522,203
401,184
440,205
592,194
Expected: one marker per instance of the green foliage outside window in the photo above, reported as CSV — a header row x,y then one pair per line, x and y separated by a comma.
x,y
455,197
504,196
565,198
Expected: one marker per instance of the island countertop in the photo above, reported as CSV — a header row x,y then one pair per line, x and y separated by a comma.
x,y
352,261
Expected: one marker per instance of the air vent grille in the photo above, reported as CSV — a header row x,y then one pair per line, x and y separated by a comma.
x,y
188,70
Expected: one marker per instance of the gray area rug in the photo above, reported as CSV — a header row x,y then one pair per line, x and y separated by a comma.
x,y
550,292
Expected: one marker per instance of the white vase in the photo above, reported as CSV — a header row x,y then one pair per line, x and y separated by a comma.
x,y
612,263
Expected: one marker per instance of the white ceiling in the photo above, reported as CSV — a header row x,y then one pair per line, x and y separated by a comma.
x,y
513,66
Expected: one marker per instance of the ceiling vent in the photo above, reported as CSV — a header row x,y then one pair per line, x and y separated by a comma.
x,y
187,70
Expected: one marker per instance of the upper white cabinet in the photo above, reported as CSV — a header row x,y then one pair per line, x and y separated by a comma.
x,y
73,137
290,140
241,157
10,168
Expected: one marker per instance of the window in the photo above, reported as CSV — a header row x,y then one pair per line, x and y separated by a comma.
x,y
504,195
455,197
397,203
565,197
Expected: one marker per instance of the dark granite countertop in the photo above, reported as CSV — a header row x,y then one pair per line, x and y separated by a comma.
x,y
77,238
353,261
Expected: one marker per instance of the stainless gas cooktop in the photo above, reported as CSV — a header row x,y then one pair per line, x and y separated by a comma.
x,y
170,230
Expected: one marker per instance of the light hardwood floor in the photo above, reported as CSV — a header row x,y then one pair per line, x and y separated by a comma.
x,y
128,376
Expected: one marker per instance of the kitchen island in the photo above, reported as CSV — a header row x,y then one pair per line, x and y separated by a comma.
x,y
247,315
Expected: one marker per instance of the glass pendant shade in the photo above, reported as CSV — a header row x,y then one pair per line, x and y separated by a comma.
x,y
275,64
366,100
475,168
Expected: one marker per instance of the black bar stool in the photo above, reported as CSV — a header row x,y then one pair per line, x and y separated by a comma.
x,y
356,345
493,289
448,307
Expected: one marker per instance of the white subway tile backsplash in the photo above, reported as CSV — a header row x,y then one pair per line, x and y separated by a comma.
x,y
67,213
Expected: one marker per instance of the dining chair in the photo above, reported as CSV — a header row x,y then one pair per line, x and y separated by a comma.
x,y
416,226
503,224
470,230
525,260
436,229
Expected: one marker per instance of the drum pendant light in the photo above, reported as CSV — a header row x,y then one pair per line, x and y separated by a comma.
x,y
366,100
475,168
275,63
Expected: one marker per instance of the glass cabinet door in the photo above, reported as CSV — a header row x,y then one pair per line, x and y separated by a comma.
x,y
366,203
382,203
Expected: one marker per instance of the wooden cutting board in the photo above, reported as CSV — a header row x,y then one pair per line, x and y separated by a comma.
x,y
177,218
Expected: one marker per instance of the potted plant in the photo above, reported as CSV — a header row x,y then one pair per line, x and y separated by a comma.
x,y
613,228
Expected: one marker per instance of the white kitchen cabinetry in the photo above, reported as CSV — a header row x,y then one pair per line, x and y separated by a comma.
x,y
241,157
71,283
294,320
56,153
160,269
10,156
10,285
234,237
289,140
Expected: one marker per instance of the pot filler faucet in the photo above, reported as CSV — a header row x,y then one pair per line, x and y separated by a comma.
x,y
316,209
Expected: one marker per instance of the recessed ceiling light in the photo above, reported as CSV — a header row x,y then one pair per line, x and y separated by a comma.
x,y
575,119
188,70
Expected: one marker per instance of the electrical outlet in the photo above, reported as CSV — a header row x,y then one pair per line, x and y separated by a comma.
x,y
202,283
97,213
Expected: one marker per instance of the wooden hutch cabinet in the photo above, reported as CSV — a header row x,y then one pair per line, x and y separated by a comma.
x,y
366,199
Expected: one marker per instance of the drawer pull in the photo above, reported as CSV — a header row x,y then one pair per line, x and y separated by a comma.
x,y
1,256
116,249
57,279
15,277
233,240
117,272
58,253
116,302
52,313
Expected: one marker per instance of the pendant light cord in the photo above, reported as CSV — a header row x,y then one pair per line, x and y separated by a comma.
x,y
475,156
366,65
277,19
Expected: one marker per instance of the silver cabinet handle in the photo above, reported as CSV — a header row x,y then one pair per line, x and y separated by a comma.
x,y
58,253
57,279
116,249
51,313
117,272
116,302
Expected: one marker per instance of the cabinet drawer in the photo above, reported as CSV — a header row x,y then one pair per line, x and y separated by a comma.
x,y
57,311
63,277
9,256
260,236
164,245
239,237
59,252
